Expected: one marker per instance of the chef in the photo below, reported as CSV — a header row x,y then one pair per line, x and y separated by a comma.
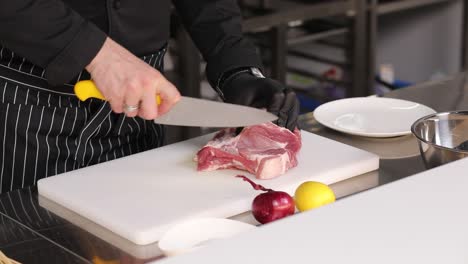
x,y
46,46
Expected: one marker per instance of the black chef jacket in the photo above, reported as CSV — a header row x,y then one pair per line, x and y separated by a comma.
x,y
63,36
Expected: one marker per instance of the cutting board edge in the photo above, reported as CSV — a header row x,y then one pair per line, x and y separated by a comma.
x,y
131,236
142,238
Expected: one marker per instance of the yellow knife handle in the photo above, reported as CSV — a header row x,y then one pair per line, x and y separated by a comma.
x,y
87,89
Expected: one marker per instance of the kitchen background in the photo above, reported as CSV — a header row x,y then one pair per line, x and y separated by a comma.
x,y
331,49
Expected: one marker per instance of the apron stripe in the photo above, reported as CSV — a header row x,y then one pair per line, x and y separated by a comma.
x,y
69,153
21,65
128,138
16,93
149,62
122,153
27,97
145,131
57,139
37,144
11,59
47,141
14,148
3,94
2,173
108,138
93,157
138,133
110,150
101,148
26,146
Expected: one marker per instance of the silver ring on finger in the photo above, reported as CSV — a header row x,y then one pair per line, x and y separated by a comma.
x,y
131,108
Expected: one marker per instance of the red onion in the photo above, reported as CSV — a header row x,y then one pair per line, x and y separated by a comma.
x,y
271,205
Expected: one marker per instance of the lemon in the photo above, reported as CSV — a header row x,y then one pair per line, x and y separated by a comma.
x,y
310,195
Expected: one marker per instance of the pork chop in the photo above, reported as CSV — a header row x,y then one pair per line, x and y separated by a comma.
x,y
265,150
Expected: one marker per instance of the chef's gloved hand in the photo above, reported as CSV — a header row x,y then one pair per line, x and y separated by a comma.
x,y
248,87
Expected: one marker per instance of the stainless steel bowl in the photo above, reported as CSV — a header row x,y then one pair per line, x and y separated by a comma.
x,y
442,137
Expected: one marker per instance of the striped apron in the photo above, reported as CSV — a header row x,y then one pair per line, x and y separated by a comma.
x,y
46,130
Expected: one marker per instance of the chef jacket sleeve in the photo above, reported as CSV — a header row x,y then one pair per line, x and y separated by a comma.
x,y
216,28
51,35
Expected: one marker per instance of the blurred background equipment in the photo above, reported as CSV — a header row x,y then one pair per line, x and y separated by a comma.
x,y
331,49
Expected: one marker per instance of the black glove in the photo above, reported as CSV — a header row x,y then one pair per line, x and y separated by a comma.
x,y
245,88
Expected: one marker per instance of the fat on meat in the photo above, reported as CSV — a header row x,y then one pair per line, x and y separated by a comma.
x,y
265,150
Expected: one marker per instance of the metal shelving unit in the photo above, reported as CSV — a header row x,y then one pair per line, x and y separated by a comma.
x,y
297,12
275,18
280,14
317,36
401,5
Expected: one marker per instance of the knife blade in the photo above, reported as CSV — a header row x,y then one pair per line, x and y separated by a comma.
x,y
194,112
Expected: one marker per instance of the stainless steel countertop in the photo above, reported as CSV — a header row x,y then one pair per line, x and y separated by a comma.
x,y
399,158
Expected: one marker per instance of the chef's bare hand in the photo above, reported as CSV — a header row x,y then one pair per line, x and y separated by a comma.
x,y
125,80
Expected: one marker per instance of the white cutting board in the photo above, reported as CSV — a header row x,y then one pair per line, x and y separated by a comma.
x,y
140,196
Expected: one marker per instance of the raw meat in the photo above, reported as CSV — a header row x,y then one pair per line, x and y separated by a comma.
x,y
265,150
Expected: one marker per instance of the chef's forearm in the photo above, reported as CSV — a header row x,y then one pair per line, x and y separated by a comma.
x,y
51,35
216,28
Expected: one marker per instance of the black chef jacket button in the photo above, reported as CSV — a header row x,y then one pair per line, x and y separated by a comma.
x,y
117,4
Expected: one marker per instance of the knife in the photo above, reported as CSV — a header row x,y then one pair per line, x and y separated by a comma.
x,y
193,111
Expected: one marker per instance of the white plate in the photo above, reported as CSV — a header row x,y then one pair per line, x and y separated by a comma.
x,y
193,234
371,116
